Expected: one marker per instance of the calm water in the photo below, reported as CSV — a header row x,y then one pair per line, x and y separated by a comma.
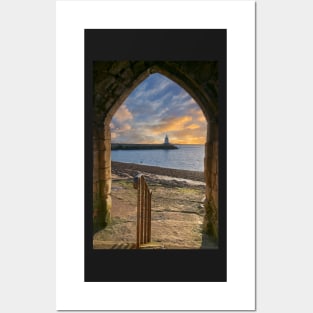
x,y
186,157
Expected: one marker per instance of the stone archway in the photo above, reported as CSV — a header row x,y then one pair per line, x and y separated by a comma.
x,y
113,82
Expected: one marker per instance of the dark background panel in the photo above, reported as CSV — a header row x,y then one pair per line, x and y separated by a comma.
x,y
155,265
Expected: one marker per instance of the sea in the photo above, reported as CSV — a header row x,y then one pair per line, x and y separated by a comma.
x,y
186,157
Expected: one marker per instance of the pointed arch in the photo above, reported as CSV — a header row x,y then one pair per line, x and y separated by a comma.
x,y
113,83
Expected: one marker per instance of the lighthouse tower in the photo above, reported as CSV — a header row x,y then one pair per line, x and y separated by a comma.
x,y
166,142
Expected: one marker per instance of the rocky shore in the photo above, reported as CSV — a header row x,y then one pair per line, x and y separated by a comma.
x,y
154,172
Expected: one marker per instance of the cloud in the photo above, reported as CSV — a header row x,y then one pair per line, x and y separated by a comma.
x,y
122,128
136,135
184,136
122,114
156,107
193,126
171,124
150,88
197,114
201,118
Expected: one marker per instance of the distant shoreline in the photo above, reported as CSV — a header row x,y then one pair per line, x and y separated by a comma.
x,y
135,146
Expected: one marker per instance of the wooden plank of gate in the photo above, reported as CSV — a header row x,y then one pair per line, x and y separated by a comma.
x,y
141,207
149,216
145,238
138,215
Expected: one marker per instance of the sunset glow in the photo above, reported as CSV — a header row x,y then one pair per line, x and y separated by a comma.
x,y
157,107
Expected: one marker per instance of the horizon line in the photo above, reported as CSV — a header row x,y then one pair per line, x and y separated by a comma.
x,y
170,143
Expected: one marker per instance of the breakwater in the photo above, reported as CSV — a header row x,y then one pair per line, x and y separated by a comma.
x,y
135,146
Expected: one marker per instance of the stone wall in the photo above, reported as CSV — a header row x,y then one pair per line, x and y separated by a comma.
x,y
211,179
113,82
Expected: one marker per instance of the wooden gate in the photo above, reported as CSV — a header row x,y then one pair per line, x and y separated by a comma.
x,y
144,195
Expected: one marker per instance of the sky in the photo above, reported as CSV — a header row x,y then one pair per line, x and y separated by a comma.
x,y
157,107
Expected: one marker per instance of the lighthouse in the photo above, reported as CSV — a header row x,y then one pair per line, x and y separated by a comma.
x,y
166,142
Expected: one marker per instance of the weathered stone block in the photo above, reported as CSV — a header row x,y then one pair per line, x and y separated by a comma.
x,y
95,187
127,75
209,151
104,188
206,175
215,197
215,182
98,133
117,67
118,89
139,67
100,144
212,219
107,131
210,162
95,159
208,192
214,167
99,100
105,173
215,148
107,155
101,67
95,174
101,211
211,91
105,85
107,187
204,73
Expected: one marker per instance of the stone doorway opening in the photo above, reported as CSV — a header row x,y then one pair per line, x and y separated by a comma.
x,y
113,83
158,107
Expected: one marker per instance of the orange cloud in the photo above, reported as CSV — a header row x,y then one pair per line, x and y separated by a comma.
x,y
198,114
193,126
116,132
189,136
180,130
174,124
188,140
201,118
123,114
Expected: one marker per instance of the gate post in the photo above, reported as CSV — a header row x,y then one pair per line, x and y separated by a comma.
x,y
143,230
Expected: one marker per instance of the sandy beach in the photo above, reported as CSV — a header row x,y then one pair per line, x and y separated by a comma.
x,y
178,213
